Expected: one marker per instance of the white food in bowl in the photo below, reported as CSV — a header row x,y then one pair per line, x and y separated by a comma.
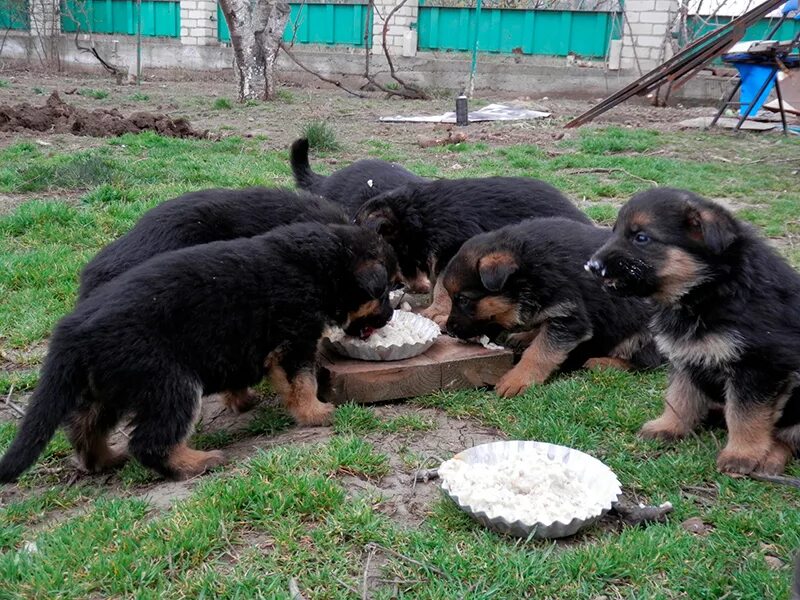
x,y
405,335
530,489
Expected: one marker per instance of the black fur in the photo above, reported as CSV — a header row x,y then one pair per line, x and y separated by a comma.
x,y
202,217
350,186
198,321
541,274
426,223
729,318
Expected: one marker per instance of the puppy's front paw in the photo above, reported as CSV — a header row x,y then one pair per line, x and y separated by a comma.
x,y
737,462
513,383
436,315
314,414
776,459
663,429
240,401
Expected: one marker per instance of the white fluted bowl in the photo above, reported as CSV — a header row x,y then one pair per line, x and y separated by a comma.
x,y
418,335
599,481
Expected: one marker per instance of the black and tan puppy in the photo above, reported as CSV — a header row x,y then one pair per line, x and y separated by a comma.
x,y
426,223
196,321
528,280
202,217
354,184
728,318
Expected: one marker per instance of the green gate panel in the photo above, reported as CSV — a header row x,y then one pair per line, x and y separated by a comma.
x,y
160,18
13,14
332,24
500,30
759,31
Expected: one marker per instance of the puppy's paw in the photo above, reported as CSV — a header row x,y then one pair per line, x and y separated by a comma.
x,y
187,463
666,430
607,362
435,314
314,414
240,401
513,383
775,461
734,461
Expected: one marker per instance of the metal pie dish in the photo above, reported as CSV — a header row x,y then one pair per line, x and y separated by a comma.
x,y
422,331
598,480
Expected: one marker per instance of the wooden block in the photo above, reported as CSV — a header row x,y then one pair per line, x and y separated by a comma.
x,y
449,364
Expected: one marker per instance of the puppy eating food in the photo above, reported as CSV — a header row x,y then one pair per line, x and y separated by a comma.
x,y
202,217
529,279
427,223
727,317
198,321
351,186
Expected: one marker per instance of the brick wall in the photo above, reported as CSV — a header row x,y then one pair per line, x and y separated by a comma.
x,y
199,22
399,28
646,28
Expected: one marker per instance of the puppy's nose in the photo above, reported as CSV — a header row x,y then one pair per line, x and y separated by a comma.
x,y
596,267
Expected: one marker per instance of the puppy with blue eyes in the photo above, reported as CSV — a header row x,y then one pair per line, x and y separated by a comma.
x,y
526,283
727,316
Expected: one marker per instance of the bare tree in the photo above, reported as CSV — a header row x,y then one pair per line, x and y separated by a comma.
x,y
256,28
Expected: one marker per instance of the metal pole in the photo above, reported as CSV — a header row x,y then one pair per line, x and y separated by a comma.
x,y
474,66
138,42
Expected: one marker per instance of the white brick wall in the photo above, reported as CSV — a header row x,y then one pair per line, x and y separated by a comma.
x,y
645,30
199,22
399,26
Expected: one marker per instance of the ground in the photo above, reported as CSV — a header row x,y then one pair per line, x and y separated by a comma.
x,y
336,509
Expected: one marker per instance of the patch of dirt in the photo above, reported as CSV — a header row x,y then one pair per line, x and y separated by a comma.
x,y
402,499
57,116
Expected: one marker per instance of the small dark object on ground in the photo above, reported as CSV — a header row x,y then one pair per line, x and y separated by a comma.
x,y
56,116
633,514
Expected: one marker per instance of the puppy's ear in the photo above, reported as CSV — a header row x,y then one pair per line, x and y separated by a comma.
x,y
495,269
372,278
714,228
380,223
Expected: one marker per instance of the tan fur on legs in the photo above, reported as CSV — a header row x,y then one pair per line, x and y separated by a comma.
x,y
685,406
778,456
240,401
441,305
299,396
751,431
607,362
537,363
93,452
186,462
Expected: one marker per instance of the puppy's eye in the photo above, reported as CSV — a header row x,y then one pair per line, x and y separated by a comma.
x,y
641,238
462,300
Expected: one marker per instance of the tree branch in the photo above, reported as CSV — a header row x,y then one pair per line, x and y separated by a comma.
x,y
296,61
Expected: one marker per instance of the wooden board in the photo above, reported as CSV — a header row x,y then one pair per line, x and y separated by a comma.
x,y
449,364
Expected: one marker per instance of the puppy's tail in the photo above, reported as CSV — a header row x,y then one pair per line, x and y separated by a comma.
x,y
305,178
56,394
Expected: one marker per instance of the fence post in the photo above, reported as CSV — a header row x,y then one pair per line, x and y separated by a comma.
x,y
45,27
646,25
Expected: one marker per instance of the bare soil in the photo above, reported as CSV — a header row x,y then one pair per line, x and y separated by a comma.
x,y
192,96
56,116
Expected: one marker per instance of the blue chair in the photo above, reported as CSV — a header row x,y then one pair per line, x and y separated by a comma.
x,y
758,69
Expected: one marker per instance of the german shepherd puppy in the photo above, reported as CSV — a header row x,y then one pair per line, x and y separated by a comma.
x,y
727,317
528,280
351,186
427,223
202,217
197,321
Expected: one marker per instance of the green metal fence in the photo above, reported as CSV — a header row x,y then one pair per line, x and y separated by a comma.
x,y
550,32
13,14
159,17
759,31
341,24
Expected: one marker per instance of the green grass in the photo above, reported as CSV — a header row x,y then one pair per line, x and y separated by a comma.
x,y
287,513
139,97
91,93
4,83
222,104
285,96
38,91
321,136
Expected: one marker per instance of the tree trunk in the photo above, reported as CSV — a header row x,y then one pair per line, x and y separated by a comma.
x,y
256,28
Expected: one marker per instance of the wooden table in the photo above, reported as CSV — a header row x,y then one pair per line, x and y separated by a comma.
x,y
449,364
